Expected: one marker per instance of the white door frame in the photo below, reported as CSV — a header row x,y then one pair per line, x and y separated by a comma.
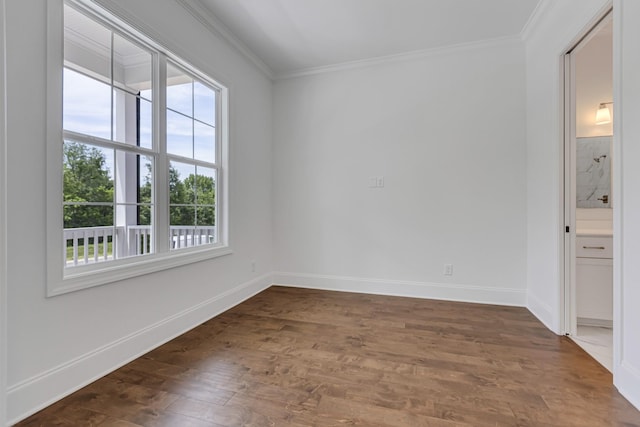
x,y
568,190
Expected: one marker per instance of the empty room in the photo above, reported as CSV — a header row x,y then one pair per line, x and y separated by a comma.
x,y
319,213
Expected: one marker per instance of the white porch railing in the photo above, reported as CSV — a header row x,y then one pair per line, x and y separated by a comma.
x,y
183,237
91,237
129,241
139,237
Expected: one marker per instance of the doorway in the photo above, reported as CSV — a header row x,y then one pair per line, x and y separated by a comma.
x,y
589,205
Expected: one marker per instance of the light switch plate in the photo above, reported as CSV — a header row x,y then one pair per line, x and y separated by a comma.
x,y
448,270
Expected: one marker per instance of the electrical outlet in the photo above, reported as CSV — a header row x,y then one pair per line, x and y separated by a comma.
x,y
448,269
373,182
380,181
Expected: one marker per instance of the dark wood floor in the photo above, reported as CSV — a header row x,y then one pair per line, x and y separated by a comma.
x,y
296,357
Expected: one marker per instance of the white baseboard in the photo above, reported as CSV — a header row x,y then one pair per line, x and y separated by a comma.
x,y
627,381
543,312
40,391
441,291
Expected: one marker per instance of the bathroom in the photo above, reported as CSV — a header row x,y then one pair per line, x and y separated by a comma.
x,y
589,193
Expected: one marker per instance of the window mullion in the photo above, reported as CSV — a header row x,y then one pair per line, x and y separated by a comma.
x,y
193,153
201,163
111,66
221,138
161,168
105,143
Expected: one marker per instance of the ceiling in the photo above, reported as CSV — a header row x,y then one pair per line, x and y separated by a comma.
x,y
296,35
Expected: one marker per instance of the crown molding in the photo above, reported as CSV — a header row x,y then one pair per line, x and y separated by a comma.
x,y
214,25
402,57
540,10
82,41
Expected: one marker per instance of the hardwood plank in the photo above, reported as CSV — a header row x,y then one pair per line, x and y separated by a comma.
x,y
297,357
112,422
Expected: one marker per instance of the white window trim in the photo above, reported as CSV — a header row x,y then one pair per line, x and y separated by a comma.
x,y
61,280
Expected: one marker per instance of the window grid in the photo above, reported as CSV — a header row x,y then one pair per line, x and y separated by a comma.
x,y
197,207
155,152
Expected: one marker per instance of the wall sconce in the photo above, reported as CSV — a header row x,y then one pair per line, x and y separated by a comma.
x,y
603,116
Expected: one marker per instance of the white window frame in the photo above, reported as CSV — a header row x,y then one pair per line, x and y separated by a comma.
x,y
62,280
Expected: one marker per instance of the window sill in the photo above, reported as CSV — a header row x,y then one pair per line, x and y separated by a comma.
x,y
78,278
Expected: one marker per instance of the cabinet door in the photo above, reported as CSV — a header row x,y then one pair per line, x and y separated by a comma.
x,y
594,247
594,285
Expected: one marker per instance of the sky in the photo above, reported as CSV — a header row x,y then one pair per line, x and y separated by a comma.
x,y
190,118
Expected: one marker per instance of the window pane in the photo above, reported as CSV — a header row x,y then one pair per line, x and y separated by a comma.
x,y
206,186
87,45
131,66
182,217
179,134
205,228
140,235
86,105
134,183
144,215
88,234
146,94
135,235
84,216
204,146
87,173
145,124
206,216
126,181
131,119
179,91
181,184
96,244
204,103
182,230
145,179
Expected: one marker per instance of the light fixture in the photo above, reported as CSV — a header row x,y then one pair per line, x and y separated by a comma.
x,y
603,116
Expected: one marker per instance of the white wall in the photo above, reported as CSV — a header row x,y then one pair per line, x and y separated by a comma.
x,y
447,133
626,224
548,37
57,344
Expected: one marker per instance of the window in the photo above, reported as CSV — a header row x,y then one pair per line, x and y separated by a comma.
x,y
139,146
191,142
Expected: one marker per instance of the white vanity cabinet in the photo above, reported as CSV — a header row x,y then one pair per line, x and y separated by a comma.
x,y
594,279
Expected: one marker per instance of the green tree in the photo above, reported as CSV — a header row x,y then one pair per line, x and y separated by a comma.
x,y
144,196
86,179
202,188
178,195
190,197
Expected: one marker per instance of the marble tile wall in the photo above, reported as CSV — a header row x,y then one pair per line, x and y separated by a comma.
x,y
593,172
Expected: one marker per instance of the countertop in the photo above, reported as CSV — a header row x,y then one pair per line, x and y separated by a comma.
x,y
594,232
